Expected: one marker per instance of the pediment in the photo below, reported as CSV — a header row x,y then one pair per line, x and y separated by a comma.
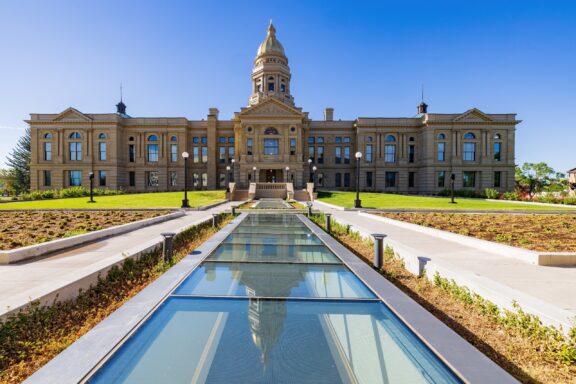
x,y
72,114
272,108
473,115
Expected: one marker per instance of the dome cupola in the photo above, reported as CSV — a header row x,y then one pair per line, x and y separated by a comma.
x,y
270,45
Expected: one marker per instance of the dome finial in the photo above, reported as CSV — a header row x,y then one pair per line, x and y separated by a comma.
x,y
271,30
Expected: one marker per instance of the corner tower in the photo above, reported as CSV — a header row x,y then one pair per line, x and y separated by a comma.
x,y
271,74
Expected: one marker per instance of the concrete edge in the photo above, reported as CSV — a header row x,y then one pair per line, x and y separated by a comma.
x,y
41,249
210,206
471,365
328,205
81,358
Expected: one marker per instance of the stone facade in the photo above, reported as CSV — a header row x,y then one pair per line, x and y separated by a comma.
x,y
272,140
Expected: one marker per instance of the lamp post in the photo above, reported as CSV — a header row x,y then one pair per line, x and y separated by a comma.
x,y
310,168
233,163
185,203
357,202
452,178
91,177
253,174
287,174
227,178
314,169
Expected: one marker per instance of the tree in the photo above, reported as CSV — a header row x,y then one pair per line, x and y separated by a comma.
x,y
533,178
18,162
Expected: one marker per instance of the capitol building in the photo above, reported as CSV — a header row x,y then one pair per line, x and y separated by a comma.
x,y
272,140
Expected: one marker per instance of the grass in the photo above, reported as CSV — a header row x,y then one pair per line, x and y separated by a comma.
x,y
132,201
394,201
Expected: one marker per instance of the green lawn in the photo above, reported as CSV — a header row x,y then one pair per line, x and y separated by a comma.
x,y
392,201
140,200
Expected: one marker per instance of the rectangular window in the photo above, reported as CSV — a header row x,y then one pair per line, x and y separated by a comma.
x,y
47,178
346,140
320,180
320,154
497,179
292,147
390,153
249,147
204,180
346,180
390,179
132,179
441,152
102,151
411,179
230,140
338,180
204,154
173,153
346,155
469,179
196,180
75,178
152,178
369,179
441,179
131,153
338,155
195,155
196,140
411,150
497,150
311,140
75,150
271,147
222,140
222,156
311,153
102,178
320,140
222,180
338,140
152,153
47,151
173,178
204,140
231,153
368,157
469,152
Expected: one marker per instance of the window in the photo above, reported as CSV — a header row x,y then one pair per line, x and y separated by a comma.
x,y
338,155
204,180
411,179
338,140
222,155
320,154
131,138
282,86
102,178
441,179
346,140
271,131
152,178
469,152
196,180
152,153
131,153
497,151
249,129
311,153
102,151
195,155
270,84
469,136
469,179
369,179
47,178
411,153
222,140
320,140
497,179
249,147
173,178
411,139
48,136
441,136
368,155
173,153
390,138
231,153
204,140
48,151
75,135
389,153
204,154
346,180
152,138
230,140
75,178
346,155
222,180
369,139
390,179
497,136
195,139
320,179
311,140
271,147
292,147
338,180
173,138
132,178
102,136
441,151
75,151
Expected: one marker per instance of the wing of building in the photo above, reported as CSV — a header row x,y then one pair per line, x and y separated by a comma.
x,y
273,140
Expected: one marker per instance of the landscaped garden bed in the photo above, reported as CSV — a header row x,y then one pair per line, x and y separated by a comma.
x,y
541,232
22,228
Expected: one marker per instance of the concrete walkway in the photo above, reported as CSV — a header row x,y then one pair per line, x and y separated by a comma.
x,y
62,275
547,292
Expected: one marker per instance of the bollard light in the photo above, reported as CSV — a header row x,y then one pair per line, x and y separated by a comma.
x,y
378,250
214,220
168,246
328,223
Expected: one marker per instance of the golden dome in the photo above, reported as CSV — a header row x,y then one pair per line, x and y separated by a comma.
x,y
270,45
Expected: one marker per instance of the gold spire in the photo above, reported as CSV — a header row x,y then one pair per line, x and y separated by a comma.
x,y
271,45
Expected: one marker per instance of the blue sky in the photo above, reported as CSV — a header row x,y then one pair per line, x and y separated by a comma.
x,y
364,58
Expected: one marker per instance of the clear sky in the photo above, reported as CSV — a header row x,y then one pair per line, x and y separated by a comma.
x,y
364,58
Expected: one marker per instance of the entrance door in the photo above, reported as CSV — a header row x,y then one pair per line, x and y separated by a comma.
x,y
271,175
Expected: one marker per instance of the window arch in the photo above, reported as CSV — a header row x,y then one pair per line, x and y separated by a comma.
x,y
48,136
469,136
411,138
390,138
369,139
173,138
441,136
271,131
152,138
497,137
75,135
131,138
102,136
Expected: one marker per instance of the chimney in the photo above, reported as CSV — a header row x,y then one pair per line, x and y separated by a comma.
x,y
328,114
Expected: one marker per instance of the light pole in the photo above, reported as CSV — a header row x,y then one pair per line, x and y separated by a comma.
x,y
253,174
287,174
227,178
357,202
310,169
185,203
452,178
233,162
91,177
314,169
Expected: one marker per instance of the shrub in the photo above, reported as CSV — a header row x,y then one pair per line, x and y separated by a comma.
x,y
510,196
569,200
491,193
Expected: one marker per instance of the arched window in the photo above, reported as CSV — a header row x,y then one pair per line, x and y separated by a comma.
x,y
441,136
469,136
282,86
75,135
369,139
271,84
390,138
497,136
411,139
102,136
152,138
131,138
271,131
173,138
48,136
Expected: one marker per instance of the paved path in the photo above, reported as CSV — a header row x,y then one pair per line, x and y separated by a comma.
x,y
542,290
65,272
